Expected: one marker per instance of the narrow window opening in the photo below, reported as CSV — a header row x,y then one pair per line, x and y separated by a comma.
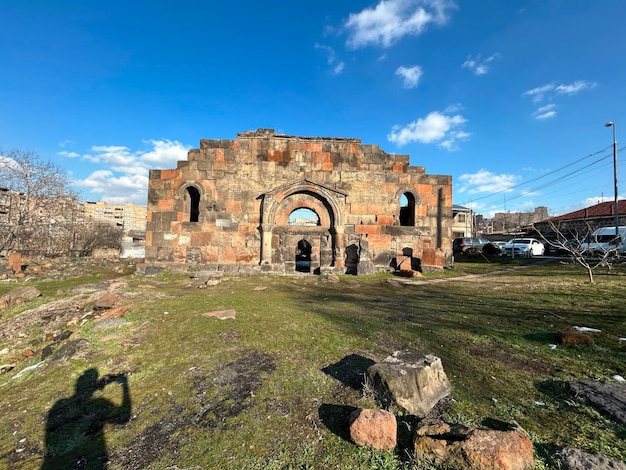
x,y
193,204
407,209
303,256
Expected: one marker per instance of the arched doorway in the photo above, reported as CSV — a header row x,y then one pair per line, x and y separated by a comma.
x,y
303,256
407,209
192,203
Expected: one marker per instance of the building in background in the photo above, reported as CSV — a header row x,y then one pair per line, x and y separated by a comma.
x,y
130,217
462,221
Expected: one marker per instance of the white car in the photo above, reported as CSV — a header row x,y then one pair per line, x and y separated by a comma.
x,y
523,247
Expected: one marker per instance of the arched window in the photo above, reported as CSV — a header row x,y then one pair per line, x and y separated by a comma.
x,y
192,203
407,209
305,217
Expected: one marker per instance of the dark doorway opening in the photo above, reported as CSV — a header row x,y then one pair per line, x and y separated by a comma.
x,y
193,204
352,259
303,256
407,210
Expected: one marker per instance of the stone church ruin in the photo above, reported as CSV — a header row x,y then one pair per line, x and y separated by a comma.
x,y
235,206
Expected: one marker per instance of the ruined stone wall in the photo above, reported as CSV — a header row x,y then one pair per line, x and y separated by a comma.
x,y
229,204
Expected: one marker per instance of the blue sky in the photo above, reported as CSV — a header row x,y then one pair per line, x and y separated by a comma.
x,y
509,97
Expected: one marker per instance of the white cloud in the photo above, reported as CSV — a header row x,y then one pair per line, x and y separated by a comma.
x,y
545,112
484,181
436,127
391,20
410,75
124,173
68,154
336,66
547,91
477,65
538,93
66,143
573,88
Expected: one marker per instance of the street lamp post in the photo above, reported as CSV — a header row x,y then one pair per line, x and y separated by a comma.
x,y
615,210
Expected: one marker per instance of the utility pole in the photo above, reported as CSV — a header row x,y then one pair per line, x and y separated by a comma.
x,y
615,210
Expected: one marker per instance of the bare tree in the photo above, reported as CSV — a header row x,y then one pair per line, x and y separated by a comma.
x,y
574,242
93,235
35,195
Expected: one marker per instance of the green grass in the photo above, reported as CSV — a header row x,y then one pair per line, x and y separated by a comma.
x,y
252,392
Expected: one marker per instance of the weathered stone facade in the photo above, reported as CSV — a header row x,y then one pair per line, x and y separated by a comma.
x,y
228,207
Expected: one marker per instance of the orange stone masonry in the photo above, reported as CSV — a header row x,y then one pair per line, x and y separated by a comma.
x,y
235,206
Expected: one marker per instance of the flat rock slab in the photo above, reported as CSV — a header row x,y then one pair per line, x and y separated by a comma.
x,y
575,459
607,397
221,314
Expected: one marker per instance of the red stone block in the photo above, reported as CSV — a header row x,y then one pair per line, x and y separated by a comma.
x,y
170,174
383,219
274,155
166,205
398,168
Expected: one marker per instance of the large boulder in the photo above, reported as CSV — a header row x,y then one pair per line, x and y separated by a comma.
x,y
373,428
575,459
471,448
409,380
17,296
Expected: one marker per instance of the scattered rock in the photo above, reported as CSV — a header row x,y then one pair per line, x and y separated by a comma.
x,y
109,323
260,288
468,447
408,273
575,459
153,270
17,296
70,350
571,337
608,397
394,283
113,313
221,314
373,428
107,301
410,380
15,261
333,278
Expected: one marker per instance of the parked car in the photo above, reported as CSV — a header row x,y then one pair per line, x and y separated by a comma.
x,y
564,249
523,247
462,244
603,240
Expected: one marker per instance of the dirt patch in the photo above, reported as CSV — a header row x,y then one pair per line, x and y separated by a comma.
x,y
215,397
509,360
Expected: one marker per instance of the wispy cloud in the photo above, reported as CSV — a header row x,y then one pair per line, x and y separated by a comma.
x,y
477,65
410,75
545,112
550,91
336,66
123,176
484,181
443,129
390,20
66,143
67,154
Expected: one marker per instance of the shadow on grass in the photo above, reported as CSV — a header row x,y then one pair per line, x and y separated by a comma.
x,y
350,370
336,418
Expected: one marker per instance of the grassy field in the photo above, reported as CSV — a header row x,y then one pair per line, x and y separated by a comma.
x,y
272,388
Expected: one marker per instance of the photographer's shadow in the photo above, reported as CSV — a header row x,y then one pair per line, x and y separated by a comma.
x,y
75,425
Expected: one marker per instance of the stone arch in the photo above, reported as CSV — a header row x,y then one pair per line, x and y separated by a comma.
x,y
191,194
278,204
407,214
